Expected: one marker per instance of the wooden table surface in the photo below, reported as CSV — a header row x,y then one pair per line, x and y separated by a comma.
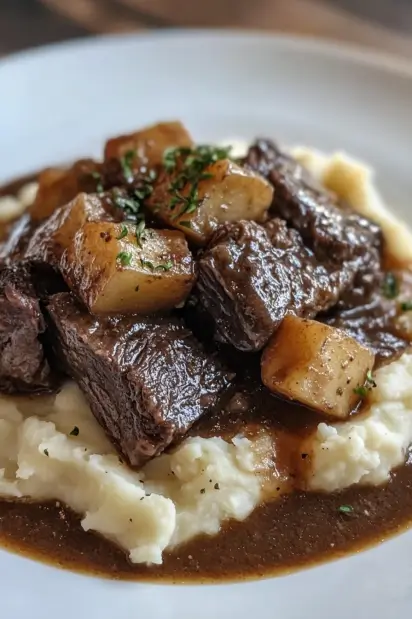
x,y
382,24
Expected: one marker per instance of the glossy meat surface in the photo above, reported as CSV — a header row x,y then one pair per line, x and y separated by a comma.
x,y
147,380
333,233
23,365
251,276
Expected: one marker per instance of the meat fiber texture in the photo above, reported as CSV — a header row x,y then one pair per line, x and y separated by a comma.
x,y
60,452
147,379
23,365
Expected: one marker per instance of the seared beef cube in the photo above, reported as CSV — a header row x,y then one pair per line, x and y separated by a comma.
x,y
147,380
250,277
334,234
23,365
331,232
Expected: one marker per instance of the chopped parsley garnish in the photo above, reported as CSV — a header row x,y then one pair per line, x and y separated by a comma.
x,y
46,452
99,184
406,306
124,258
123,233
146,264
189,167
126,161
390,286
130,206
185,224
361,391
345,509
139,232
216,487
370,383
166,266
75,431
203,490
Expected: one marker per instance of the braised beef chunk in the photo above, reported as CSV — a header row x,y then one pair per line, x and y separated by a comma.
x,y
334,234
251,276
371,323
23,365
147,380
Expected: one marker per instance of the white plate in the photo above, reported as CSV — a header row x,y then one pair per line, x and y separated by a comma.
x,y
61,102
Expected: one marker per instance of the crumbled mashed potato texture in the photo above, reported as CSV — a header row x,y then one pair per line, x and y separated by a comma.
x,y
12,207
62,453
366,449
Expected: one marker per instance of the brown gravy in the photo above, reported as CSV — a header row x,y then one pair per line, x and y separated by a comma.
x,y
288,533
292,532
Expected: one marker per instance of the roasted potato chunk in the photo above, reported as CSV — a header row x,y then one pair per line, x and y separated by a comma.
x,y
317,365
55,234
57,186
149,144
226,193
122,268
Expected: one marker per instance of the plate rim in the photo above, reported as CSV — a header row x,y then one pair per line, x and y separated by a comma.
x,y
351,52
242,593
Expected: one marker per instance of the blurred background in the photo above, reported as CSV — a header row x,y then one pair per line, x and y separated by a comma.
x,y
381,24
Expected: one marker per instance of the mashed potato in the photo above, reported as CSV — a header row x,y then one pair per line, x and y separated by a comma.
x,y
366,449
62,453
12,207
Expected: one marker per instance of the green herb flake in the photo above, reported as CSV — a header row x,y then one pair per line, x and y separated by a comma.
x,y
345,509
185,224
123,233
139,232
406,306
370,381
126,161
99,184
390,286
190,166
46,452
147,264
166,266
361,391
124,258
216,487
75,431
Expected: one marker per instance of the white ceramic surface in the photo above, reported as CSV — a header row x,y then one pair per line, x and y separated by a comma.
x,y
61,102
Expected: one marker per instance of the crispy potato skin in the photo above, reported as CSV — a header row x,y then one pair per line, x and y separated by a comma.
x,y
230,194
110,272
58,186
317,365
56,233
149,143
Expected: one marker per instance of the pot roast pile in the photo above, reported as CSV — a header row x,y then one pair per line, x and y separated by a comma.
x,y
118,264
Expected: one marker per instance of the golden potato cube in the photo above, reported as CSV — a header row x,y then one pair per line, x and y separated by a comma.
x,y
57,186
149,143
113,269
229,194
55,234
317,365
